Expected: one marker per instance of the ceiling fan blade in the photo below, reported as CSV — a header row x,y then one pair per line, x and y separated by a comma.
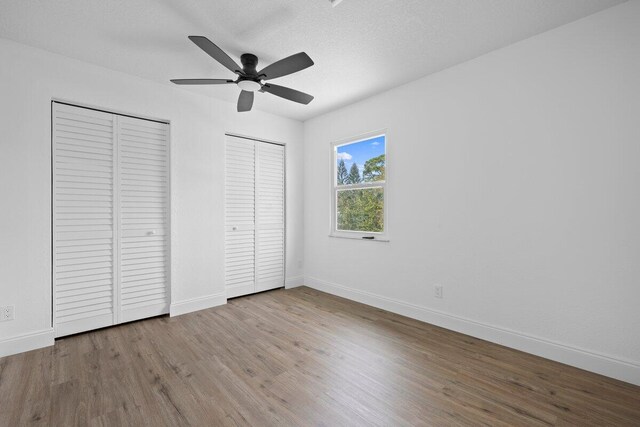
x,y
201,81
289,65
245,101
216,53
287,93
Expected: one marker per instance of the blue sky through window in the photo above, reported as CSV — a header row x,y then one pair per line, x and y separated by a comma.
x,y
361,151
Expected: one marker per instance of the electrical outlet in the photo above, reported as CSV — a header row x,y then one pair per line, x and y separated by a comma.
x,y
437,291
299,263
6,313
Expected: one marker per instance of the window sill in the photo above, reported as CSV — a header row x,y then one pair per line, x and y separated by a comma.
x,y
382,240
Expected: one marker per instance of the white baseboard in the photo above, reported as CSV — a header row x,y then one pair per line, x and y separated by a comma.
x,y
26,342
621,369
196,304
293,282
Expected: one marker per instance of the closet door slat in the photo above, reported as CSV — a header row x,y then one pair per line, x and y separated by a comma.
x,y
83,206
270,216
144,222
239,216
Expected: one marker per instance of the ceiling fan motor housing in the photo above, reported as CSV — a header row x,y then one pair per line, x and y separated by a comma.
x,y
249,64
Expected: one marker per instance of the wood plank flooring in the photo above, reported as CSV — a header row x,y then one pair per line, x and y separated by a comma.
x,y
299,357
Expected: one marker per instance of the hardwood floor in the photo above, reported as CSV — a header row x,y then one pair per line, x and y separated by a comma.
x,y
299,357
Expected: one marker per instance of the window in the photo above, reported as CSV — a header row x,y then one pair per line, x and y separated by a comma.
x,y
358,190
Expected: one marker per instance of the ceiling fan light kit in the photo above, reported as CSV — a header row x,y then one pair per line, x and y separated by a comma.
x,y
249,79
249,85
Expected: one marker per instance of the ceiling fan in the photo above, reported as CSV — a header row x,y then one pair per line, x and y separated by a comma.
x,y
249,79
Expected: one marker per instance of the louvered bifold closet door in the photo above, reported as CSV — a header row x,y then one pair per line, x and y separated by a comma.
x,y
83,219
270,214
239,216
144,218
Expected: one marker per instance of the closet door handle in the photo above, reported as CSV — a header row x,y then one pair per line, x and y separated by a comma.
x,y
152,233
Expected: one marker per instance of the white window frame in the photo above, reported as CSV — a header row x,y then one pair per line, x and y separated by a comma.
x,y
359,235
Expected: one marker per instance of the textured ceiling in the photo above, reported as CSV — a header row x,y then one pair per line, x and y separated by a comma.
x,y
360,47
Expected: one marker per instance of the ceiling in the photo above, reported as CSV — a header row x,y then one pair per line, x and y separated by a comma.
x,y
360,47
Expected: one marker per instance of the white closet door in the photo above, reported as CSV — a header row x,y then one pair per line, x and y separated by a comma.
x,y
254,215
143,181
270,211
83,219
110,219
239,216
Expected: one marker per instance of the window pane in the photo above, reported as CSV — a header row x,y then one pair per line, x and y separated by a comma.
x,y
362,161
361,210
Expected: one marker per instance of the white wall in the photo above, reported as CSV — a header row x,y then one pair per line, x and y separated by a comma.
x,y
514,182
29,79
